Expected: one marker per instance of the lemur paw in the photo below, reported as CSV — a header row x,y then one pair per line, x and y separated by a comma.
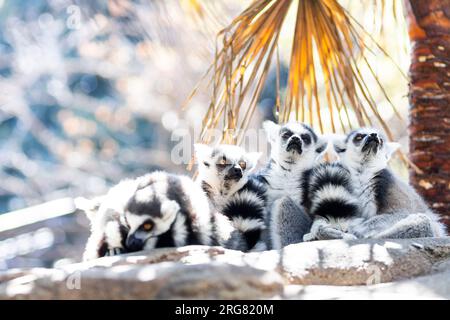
x,y
114,252
309,237
349,236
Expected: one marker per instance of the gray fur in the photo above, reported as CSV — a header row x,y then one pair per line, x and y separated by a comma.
x,y
323,229
397,225
289,223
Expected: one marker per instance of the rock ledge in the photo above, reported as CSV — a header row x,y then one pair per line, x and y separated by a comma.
x,y
410,268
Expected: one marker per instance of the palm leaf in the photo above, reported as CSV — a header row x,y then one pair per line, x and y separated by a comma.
x,y
327,64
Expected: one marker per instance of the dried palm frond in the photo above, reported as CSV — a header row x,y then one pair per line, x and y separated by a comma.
x,y
384,21
325,71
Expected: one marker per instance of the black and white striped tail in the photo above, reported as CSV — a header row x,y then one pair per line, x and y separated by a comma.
x,y
247,212
330,192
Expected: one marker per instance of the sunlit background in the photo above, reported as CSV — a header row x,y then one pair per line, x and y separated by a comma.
x,y
91,92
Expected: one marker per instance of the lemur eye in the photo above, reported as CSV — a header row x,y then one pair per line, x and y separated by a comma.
x,y
222,162
147,226
243,164
359,137
306,138
286,135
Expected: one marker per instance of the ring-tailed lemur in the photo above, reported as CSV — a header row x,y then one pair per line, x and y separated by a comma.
x,y
295,148
386,206
237,198
153,211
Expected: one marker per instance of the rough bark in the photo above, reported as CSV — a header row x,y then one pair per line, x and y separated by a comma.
x,y
429,96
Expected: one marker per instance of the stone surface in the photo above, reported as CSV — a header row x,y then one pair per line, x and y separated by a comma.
x,y
410,268
434,286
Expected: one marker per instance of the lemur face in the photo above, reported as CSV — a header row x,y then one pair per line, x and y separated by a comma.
x,y
149,213
294,143
225,163
365,147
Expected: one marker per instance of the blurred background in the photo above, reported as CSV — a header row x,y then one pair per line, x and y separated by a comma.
x,y
91,92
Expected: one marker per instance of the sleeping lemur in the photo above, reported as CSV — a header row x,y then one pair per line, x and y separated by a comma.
x,y
295,148
376,203
153,211
236,197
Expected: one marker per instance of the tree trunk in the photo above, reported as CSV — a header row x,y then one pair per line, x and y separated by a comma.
x,y
429,98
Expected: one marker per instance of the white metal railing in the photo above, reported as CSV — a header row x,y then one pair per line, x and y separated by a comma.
x,y
48,210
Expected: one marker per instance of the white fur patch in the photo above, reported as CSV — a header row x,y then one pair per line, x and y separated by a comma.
x,y
245,224
112,235
144,195
161,183
247,196
163,224
224,228
200,208
135,221
180,231
113,204
282,183
274,223
169,209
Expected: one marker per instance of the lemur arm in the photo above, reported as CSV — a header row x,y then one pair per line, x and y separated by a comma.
x,y
105,240
94,246
322,229
397,225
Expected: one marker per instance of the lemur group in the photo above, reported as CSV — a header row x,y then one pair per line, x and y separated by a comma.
x,y
296,197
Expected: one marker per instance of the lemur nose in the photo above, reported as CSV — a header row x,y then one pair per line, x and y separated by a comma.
x,y
237,170
373,135
134,244
295,138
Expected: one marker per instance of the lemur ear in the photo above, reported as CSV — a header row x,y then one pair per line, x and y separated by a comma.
x,y
339,144
272,129
391,147
253,158
202,151
170,208
89,206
